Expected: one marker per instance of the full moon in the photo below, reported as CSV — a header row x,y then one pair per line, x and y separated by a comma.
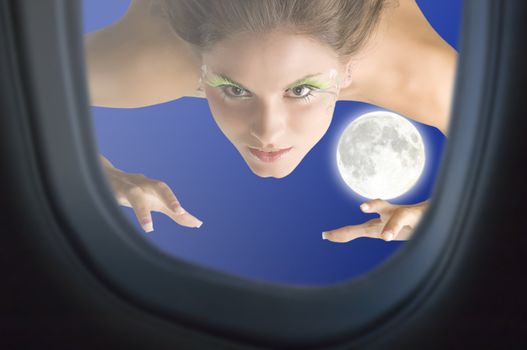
x,y
380,155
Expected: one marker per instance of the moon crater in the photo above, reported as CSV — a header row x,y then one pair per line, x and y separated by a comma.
x,y
380,155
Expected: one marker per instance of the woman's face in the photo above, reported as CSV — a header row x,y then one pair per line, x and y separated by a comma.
x,y
273,96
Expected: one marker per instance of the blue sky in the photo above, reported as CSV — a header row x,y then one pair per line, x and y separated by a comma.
x,y
261,228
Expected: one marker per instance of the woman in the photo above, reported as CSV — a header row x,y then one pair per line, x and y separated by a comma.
x,y
272,71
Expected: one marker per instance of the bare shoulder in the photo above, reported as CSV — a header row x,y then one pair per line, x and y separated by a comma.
x,y
138,60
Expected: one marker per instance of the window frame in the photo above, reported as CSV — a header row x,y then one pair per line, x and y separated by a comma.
x,y
60,146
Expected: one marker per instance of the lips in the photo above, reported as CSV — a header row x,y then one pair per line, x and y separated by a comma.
x,y
269,157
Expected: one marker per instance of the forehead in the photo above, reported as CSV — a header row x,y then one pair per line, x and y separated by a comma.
x,y
270,60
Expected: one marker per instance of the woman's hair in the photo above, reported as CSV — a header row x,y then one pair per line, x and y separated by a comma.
x,y
344,25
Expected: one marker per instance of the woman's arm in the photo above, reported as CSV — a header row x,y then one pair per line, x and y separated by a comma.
x,y
139,61
406,67
135,62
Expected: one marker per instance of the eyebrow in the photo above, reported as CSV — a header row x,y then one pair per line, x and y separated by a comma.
x,y
304,79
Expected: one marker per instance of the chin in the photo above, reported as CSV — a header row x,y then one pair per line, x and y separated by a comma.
x,y
278,170
281,176
277,173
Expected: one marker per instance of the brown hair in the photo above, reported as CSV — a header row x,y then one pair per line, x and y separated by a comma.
x,y
344,25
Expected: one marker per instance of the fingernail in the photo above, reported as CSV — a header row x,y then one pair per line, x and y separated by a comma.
x,y
364,207
199,225
148,227
388,235
324,235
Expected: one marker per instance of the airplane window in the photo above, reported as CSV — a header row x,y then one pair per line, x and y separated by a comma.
x,y
256,154
263,212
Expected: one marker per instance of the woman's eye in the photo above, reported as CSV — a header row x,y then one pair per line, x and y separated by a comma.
x,y
301,91
235,91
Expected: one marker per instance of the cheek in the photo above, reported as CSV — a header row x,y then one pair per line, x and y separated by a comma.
x,y
232,119
311,121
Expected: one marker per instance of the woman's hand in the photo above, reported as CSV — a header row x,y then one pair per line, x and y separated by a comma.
x,y
144,195
396,222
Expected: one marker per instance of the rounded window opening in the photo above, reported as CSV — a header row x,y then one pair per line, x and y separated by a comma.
x,y
281,145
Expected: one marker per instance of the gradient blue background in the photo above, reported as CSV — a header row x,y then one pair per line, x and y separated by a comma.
x,y
261,228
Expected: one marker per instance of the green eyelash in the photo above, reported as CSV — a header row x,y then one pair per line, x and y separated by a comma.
x,y
219,81
313,83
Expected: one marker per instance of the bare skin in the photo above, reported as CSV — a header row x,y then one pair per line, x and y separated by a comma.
x,y
405,67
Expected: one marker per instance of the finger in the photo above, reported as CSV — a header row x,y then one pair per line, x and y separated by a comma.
x,y
169,198
185,219
401,217
371,228
375,206
174,209
405,234
139,204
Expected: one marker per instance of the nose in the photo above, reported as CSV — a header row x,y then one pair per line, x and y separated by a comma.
x,y
269,125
